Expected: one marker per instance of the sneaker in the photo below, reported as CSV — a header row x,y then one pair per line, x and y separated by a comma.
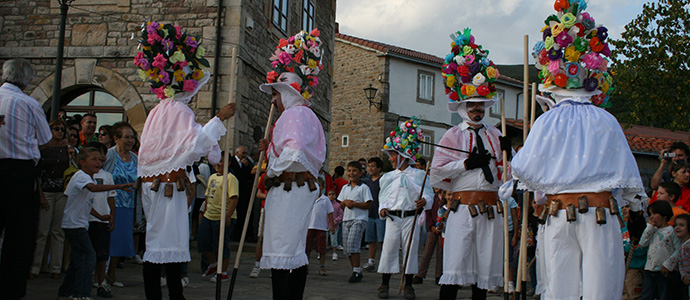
x,y
383,291
223,277
322,271
417,280
164,281
340,247
117,284
104,291
210,271
185,281
95,284
255,272
138,260
408,292
530,292
369,267
356,277
511,287
335,256
318,256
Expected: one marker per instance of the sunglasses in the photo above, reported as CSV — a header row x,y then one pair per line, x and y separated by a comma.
x,y
60,129
102,133
76,136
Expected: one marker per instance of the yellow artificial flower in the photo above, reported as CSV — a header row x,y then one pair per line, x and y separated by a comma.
x,y
404,143
152,73
548,82
306,95
548,43
312,64
169,92
142,74
198,73
200,52
147,48
491,72
556,29
605,87
165,33
450,80
178,56
160,26
452,44
298,44
544,28
467,50
568,20
468,90
571,54
179,75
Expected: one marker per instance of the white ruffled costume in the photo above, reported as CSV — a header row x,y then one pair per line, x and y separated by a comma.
x,y
297,144
473,247
578,147
172,140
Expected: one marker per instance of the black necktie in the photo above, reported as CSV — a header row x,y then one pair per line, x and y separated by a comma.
x,y
480,146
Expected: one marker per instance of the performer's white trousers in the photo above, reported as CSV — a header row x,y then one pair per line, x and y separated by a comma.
x,y
397,237
581,258
473,250
167,225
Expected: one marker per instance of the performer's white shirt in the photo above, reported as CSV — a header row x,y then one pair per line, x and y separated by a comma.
x,y
400,189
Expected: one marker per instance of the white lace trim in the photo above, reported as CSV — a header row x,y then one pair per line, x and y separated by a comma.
x,y
166,256
296,155
464,279
600,184
283,262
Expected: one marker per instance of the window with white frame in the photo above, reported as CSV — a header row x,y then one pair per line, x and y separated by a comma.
x,y
345,141
495,111
426,149
425,87
307,15
280,12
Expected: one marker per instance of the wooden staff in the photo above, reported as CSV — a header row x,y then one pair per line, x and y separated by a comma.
x,y
533,114
224,198
251,204
506,212
414,223
521,274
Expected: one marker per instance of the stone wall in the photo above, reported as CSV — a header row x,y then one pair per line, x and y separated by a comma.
x,y
355,68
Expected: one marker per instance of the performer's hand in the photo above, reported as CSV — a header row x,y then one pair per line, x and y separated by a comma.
x,y
263,145
227,112
664,271
420,203
384,212
477,160
506,144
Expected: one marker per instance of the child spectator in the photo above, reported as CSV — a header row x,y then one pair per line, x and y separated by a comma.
x,y
635,259
514,240
338,179
321,221
337,219
355,199
376,227
670,192
684,261
435,216
99,230
75,224
682,231
662,243
209,226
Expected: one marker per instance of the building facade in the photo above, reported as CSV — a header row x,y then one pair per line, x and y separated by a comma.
x,y
101,41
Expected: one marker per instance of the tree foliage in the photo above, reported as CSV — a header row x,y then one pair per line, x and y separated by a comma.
x,y
650,67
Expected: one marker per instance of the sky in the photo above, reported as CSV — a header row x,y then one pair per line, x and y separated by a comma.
x,y
497,25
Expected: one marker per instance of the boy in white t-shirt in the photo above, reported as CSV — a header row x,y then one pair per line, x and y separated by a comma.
x,y
320,222
75,223
355,198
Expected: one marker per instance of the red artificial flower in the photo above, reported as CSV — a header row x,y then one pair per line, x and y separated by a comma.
x,y
463,71
315,32
296,86
561,80
298,56
271,76
596,45
561,5
454,96
282,43
290,69
473,46
581,32
483,90
448,90
492,87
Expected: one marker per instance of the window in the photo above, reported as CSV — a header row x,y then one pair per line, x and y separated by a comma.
x,y
307,16
425,87
346,141
280,10
107,108
495,111
425,149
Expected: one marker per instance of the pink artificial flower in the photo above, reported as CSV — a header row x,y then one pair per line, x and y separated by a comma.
x,y
153,37
451,67
284,58
314,81
139,56
160,61
178,32
181,64
604,65
291,40
275,55
160,92
189,85
469,59
591,60
564,39
274,63
554,66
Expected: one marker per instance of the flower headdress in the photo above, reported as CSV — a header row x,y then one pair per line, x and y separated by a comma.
x,y
573,54
300,54
467,70
405,139
171,61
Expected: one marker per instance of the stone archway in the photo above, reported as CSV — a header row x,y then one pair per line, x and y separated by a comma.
x,y
86,72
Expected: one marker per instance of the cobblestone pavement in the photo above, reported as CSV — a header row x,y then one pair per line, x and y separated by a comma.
x,y
333,286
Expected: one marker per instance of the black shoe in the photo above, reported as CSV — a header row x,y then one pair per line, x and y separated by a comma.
x,y
356,277
104,291
409,292
417,280
383,291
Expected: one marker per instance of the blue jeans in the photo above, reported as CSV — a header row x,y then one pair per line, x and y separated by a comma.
x,y
654,286
77,282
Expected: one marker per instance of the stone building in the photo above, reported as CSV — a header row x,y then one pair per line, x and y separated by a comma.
x,y
409,83
101,40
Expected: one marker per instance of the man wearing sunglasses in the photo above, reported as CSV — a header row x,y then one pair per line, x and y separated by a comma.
x,y
24,130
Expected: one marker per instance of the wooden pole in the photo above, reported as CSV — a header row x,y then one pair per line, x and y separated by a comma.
x,y
251,204
224,198
414,224
525,91
525,199
533,114
506,212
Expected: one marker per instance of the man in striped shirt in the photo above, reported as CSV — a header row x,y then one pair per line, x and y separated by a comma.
x,y
24,130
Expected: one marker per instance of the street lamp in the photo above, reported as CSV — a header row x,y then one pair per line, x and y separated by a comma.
x,y
55,108
370,93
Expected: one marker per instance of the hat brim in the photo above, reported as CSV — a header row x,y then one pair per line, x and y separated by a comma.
x,y
405,155
454,105
568,92
281,87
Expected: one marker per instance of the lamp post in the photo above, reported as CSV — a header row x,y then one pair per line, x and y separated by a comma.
x,y
370,93
55,108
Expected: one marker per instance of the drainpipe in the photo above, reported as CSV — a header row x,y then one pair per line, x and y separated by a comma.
x,y
216,65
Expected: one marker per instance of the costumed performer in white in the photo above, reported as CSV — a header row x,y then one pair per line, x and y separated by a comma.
x,y
473,247
296,152
577,155
398,203
171,143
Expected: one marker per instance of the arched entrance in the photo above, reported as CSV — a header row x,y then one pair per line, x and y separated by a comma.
x,y
86,83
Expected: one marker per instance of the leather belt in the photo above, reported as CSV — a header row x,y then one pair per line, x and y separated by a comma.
x,y
474,197
289,177
402,213
593,199
167,177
